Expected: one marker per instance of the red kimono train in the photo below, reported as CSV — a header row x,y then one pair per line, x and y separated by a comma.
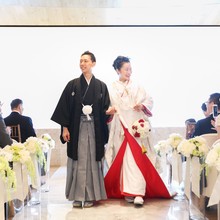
x,y
155,187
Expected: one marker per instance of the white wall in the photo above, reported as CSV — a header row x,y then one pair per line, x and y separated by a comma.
x,y
179,66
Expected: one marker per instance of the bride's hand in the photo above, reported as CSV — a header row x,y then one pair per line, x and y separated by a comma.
x,y
111,111
138,107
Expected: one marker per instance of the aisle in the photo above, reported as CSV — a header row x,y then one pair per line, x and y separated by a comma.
x,y
54,206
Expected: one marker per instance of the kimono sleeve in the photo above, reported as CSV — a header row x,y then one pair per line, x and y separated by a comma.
x,y
61,113
146,100
106,102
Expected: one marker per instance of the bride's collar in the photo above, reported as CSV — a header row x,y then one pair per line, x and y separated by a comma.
x,y
124,83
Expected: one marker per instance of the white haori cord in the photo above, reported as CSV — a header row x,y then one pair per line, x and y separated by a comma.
x,y
87,110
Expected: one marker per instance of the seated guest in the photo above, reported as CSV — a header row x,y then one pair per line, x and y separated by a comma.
x,y
4,135
190,127
16,118
205,126
26,129
217,125
204,109
4,140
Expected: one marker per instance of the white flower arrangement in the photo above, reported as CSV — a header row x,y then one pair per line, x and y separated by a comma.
x,y
34,146
174,140
46,137
6,154
141,128
20,154
186,148
213,157
44,145
7,174
162,148
194,147
202,148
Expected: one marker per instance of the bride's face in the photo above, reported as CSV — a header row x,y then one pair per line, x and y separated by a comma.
x,y
125,72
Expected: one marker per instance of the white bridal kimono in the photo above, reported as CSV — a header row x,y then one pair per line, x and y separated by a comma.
x,y
124,96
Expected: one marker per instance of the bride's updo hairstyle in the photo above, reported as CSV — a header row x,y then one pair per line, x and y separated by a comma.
x,y
119,61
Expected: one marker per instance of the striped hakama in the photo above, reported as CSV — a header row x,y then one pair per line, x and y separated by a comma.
x,y
85,180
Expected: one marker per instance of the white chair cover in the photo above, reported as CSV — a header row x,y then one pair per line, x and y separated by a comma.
x,y
213,174
210,138
2,199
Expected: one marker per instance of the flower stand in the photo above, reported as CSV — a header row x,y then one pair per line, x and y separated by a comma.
x,y
45,174
35,183
21,192
198,182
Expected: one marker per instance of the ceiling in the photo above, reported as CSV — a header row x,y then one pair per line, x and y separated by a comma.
x,y
109,12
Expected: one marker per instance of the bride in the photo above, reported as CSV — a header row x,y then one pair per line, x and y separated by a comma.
x,y
131,159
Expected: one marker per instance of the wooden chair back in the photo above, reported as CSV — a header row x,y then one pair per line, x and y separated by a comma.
x,y
16,132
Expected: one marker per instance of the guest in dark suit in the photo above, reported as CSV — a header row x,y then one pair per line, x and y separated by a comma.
x,y
204,109
204,126
26,128
16,118
4,135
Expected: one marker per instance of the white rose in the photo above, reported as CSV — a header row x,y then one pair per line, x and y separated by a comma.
x,y
8,155
25,156
174,140
186,148
204,148
44,145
